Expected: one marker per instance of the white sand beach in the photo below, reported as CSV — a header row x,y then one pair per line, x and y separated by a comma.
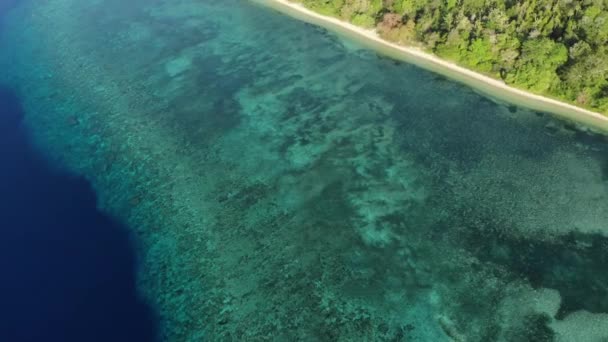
x,y
489,86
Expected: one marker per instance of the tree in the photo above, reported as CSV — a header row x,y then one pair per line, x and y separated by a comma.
x,y
537,67
556,47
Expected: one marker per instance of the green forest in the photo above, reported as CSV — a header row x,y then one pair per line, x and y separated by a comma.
x,y
557,48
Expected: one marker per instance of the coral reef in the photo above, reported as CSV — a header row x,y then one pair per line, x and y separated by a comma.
x,y
290,186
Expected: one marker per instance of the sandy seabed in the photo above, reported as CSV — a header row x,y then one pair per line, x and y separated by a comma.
x,y
487,85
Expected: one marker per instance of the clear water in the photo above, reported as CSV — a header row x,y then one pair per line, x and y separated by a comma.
x,y
286,185
67,271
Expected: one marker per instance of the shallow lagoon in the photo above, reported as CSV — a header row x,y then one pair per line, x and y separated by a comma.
x,y
287,185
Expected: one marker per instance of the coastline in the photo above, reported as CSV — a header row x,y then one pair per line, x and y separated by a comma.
x,y
488,86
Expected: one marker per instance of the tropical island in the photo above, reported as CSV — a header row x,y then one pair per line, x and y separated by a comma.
x,y
550,54
286,182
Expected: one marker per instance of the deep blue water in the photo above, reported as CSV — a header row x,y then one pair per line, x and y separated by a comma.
x,y
67,272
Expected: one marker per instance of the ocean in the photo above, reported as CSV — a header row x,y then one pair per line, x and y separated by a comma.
x,y
216,171
67,271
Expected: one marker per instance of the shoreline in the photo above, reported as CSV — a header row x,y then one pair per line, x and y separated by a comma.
x,y
488,86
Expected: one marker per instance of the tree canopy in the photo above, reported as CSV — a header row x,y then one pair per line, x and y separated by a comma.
x,y
552,47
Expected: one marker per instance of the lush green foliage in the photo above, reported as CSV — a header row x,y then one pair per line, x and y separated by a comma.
x,y
553,47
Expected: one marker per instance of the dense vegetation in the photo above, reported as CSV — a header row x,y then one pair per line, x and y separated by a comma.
x,y
552,47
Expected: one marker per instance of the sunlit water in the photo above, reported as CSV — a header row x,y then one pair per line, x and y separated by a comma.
x,y
286,185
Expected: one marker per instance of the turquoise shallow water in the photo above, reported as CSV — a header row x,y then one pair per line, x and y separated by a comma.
x,y
288,185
